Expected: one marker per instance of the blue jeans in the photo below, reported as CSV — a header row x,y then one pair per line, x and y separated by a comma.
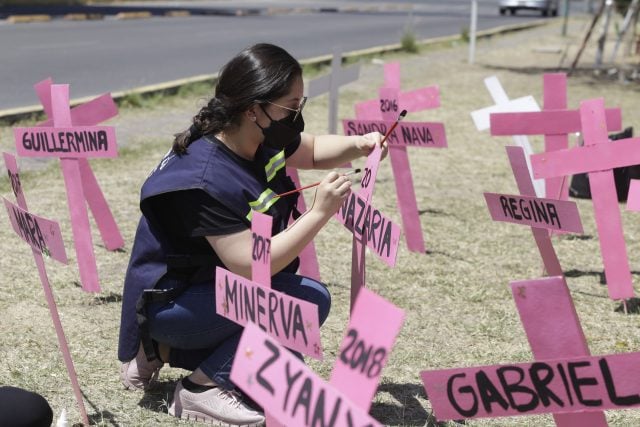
x,y
200,338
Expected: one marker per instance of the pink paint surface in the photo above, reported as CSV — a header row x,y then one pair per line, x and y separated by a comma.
x,y
63,142
406,134
402,178
99,207
260,369
633,200
358,246
354,374
588,158
14,176
79,177
620,371
383,238
89,114
598,157
546,122
392,74
309,266
273,311
553,330
80,225
370,174
40,233
75,196
555,98
560,215
261,248
94,111
425,98
525,186
612,244
62,340
412,101
12,167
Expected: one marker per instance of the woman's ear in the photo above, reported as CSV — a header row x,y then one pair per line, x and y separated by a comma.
x,y
251,113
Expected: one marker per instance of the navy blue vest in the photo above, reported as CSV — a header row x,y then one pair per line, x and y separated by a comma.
x,y
211,167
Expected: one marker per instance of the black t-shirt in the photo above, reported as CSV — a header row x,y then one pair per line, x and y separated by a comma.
x,y
187,217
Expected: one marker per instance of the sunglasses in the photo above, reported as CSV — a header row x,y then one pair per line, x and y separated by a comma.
x,y
298,110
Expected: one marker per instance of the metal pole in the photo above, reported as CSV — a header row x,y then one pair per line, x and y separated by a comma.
x,y
565,13
472,31
603,37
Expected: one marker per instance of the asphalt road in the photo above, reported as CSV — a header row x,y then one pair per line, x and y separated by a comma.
x,y
113,55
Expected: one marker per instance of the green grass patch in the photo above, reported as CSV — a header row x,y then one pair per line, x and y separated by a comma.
x,y
459,311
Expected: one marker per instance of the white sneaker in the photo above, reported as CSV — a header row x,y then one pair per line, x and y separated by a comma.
x,y
139,373
216,406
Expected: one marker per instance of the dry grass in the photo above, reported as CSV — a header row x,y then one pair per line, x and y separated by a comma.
x,y
458,305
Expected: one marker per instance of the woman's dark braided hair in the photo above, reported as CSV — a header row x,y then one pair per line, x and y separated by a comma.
x,y
260,73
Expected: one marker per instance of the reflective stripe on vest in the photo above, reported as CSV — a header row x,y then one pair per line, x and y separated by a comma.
x,y
276,163
264,202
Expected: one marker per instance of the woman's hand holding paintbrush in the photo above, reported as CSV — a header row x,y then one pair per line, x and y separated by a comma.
x,y
382,143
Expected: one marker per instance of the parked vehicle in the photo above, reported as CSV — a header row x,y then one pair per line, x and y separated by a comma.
x,y
546,7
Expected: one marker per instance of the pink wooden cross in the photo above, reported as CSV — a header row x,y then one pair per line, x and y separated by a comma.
x,y
555,122
387,108
597,158
633,200
291,321
44,237
308,257
369,226
378,335
564,380
73,137
296,396
566,213
553,330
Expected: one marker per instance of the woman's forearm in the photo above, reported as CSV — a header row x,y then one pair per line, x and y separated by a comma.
x,y
330,151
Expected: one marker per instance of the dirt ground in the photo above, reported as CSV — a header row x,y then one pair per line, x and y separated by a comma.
x,y
459,311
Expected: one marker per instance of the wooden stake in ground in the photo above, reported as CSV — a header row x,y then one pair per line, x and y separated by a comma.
x,y
598,157
44,237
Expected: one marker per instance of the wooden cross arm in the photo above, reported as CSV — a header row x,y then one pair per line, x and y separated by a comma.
x,y
553,122
589,158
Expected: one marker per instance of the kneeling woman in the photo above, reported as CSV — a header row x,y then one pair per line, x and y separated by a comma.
x,y
196,208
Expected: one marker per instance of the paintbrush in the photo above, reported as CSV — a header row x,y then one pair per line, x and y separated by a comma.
x,y
313,185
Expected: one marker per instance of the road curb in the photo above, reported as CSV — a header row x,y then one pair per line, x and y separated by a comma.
x,y
132,15
25,19
15,114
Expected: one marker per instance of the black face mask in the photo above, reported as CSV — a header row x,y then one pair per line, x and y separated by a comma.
x,y
283,132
